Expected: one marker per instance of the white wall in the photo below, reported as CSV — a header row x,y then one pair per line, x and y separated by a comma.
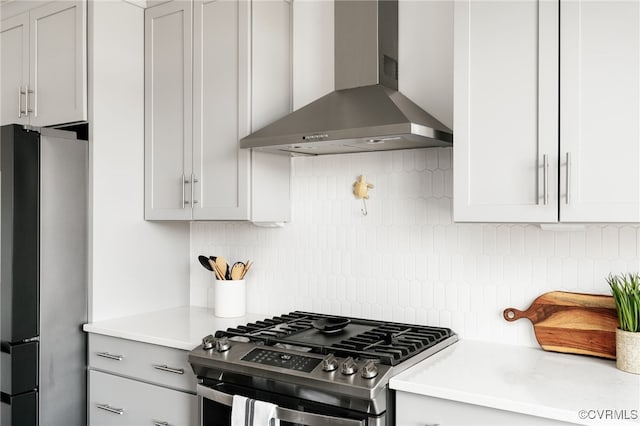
x,y
136,266
405,261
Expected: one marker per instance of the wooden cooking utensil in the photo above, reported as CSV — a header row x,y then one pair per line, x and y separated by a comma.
x,y
222,264
216,270
572,323
237,271
247,266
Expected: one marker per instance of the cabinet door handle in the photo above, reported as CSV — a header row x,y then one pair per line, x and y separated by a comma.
x,y
194,180
110,356
168,369
568,171
26,95
20,102
545,179
184,182
107,407
160,423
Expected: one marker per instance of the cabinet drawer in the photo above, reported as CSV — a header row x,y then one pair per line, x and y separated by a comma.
x,y
144,361
115,400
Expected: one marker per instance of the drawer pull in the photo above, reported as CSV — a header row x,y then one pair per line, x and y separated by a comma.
x,y
159,423
110,356
169,369
107,407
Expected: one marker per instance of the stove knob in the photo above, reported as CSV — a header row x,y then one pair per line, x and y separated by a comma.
x,y
329,363
222,344
348,367
208,342
369,370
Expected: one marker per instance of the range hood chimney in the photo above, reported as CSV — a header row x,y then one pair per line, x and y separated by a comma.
x,y
365,112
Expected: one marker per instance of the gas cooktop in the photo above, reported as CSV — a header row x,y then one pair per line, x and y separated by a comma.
x,y
387,343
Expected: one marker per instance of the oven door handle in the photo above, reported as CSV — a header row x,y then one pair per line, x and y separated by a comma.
x,y
284,414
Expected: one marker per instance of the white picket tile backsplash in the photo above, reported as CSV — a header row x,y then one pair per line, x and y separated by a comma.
x,y
406,260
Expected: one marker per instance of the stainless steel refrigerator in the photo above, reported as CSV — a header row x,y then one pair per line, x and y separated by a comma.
x,y
43,270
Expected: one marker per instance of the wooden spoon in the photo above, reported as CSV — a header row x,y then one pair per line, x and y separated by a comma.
x,y
222,264
237,271
216,270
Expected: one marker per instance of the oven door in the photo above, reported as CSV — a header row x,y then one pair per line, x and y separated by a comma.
x,y
216,400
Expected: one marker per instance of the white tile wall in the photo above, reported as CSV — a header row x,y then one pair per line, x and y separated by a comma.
x,y
406,260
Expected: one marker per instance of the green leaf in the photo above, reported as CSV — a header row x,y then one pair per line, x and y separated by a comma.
x,y
625,289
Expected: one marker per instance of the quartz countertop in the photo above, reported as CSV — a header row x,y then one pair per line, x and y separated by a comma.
x,y
571,388
181,328
513,378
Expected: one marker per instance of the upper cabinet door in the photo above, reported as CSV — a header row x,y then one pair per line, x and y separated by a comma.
x,y
271,93
242,81
221,109
600,111
14,71
505,111
58,63
168,111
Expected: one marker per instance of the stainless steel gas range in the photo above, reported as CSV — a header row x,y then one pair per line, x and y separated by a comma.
x,y
320,370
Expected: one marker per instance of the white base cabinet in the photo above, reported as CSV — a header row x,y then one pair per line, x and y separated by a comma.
x,y
43,72
117,401
133,383
419,410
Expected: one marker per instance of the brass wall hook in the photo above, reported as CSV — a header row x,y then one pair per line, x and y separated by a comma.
x,y
361,191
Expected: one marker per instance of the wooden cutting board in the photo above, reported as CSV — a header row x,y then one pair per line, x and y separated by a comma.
x,y
572,323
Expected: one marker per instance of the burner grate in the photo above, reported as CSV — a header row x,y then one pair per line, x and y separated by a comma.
x,y
389,343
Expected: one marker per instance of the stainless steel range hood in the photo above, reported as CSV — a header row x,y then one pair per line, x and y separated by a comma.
x,y
365,112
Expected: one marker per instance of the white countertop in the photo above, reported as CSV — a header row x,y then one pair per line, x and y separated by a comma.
x,y
181,328
526,380
514,378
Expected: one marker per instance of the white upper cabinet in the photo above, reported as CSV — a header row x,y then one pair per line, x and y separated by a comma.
x,y
14,72
168,111
221,72
505,111
44,73
271,99
600,111
546,113
208,84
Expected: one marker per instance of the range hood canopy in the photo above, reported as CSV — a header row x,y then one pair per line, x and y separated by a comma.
x,y
365,112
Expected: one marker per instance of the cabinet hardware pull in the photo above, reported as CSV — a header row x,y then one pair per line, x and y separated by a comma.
x,y
110,356
26,95
107,407
184,182
545,178
568,170
20,102
194,179
159,423
168,369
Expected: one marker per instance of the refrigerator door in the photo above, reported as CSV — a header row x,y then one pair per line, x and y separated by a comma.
x,y
19,231
19,410
63,277
19,372
43,273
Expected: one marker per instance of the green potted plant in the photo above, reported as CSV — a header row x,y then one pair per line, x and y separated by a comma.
x,y
626,293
